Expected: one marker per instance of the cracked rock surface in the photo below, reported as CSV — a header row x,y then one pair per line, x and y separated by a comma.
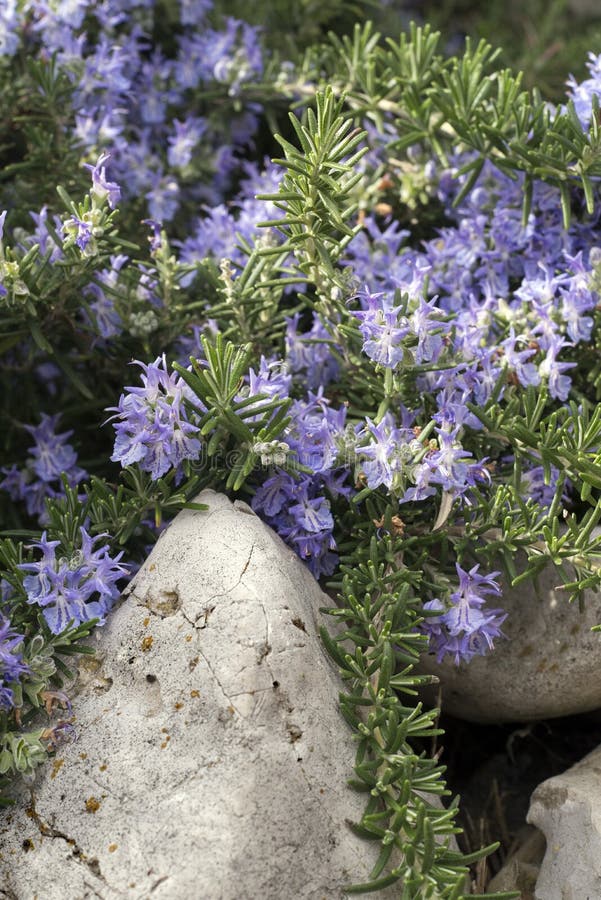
x,y
567,809
211,756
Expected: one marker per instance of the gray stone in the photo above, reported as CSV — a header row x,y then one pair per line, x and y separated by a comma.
x,y
521,868
567,809
211,756
547,667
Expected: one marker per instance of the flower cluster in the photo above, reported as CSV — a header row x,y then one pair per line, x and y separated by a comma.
x,y
153,428
300,513
76,588
464,628
51,458
137,101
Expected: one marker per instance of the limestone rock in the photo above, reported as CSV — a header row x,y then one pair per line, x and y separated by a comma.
x,y
211,756
547,667
567,808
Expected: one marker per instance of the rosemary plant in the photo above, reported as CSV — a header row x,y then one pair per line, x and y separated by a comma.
x,y
392,329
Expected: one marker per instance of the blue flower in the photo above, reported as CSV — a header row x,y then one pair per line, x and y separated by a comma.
x,y
192,12
75,589
101,187
10,22
582,94
12,666
464,629
380,459
272,380
552,371
316,432
153,428
516,360
384,329
310,354
80,231
301,515
50,458
426,325
185,140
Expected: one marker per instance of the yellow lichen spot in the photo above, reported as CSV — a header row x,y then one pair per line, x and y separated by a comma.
x,y
112,848
188,637
195,693
147,643
83,755
164,730
92,805
56,767
146,621
231,710
102,767
178,705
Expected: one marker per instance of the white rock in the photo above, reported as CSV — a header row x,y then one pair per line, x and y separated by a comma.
x,y
211,757
567,808
547,667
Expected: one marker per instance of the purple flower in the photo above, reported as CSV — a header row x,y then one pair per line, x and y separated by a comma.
x,y
153,429
453,411
42,236
271,497
384,329
12,666
577,299
526,372
582,94
301,515
73,589
426,325
316,432
309,354
377,256
449,464
234,54
215,235
272,379
80,231
10,23
185,140
192,12
535,488
104,318
155,240
465,629
101,187
50,458
552,371
163,198
388,448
